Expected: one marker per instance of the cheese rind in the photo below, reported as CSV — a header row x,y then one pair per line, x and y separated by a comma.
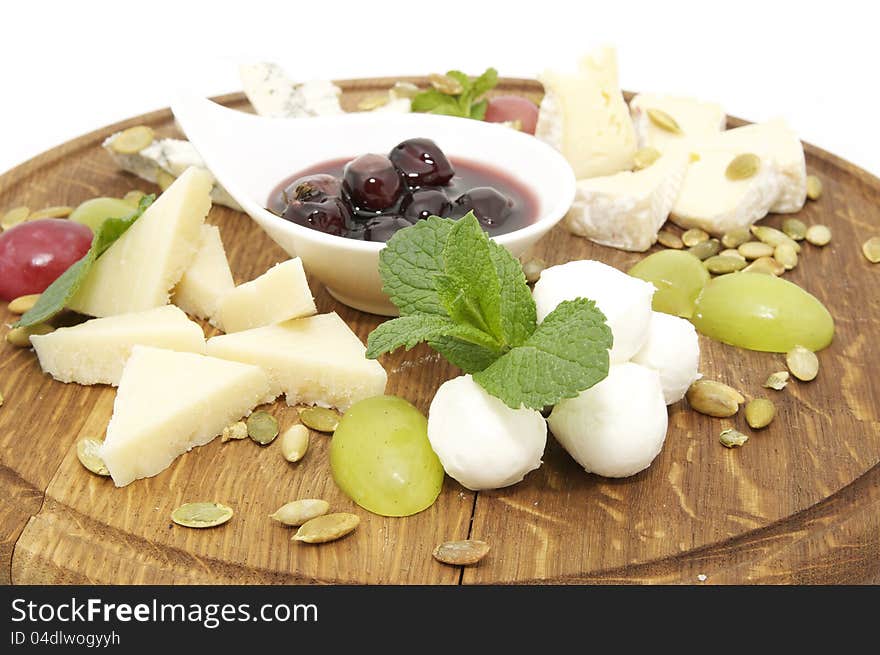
x,y
95,352
697,119
168,402
207,280
279,294
315,361
584,116
139,270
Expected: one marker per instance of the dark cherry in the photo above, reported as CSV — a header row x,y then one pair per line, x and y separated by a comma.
x,y
372,182
422,203
490,206
383,228
312,188
329,215
422,163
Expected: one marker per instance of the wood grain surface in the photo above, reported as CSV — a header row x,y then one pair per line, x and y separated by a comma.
x,y
800,503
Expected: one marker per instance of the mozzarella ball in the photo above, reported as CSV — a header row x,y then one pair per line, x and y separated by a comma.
x,y
625,300
673,350
617,427
481,442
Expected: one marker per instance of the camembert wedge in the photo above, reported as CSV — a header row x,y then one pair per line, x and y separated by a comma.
x,y
207,280
168,402
695,119
141,268
315,361
95,352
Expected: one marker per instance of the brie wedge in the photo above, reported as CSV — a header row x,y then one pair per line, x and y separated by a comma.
x,y
207,280
697,120
273,94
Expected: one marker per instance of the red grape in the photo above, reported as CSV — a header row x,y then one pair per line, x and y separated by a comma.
x,y
35,253
513,108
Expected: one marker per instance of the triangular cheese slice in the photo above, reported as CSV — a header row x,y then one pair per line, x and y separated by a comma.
x,y
168,402
140,269
207,279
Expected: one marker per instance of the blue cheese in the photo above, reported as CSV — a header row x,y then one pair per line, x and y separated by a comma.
x,y
273,94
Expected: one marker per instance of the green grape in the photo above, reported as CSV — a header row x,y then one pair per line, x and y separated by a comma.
x,y
97,210
679,278
381,458
762,312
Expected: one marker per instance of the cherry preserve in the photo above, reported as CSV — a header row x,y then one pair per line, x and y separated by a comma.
x,y
373,196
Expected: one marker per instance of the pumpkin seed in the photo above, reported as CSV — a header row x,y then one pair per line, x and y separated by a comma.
x,y
237,430
403,90
814,187
262,427
533,269
714,398
736,237
87,454
320,419
732,252
14,216
644,157
20,337
731,438
295,443
372,102
786,256
445,84
871,249
694,236
759,412
694,157
133,197
819,235
326,528
23,304
721,265
164,179
132,140
60,211
765,266
705,249
777,380
670,239
663,120
743,166
802,363
461,553
794,228
755,249
298,512
774,237
201,515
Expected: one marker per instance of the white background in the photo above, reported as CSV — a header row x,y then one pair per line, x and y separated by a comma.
x,y
71,67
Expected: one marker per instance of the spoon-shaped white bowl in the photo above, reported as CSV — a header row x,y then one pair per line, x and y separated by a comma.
x,y
250,155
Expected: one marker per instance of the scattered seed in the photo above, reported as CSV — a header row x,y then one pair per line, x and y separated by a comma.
x,y
295,443
786,256
644,157
670,239
714,398
765,266
871,249
237,430
326,528
404,90
201,515
694,236
133,197
262,427
735,238
132,140
461,553
731,438
320,419
663,120
60,211
814,187
722,265
802,363
298,512
20,337
705,249
755,249
164,179
87,454
732,252
445,84
774,237
819,235
14,216
372,102
794,228
742,167
694,157
533,269
777,380
23,304
759,412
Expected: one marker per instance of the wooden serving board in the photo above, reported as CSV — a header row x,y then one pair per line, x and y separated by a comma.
x,y
800,503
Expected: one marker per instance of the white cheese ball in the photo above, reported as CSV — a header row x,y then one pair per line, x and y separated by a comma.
x,y
673,350
481,442
617,427
625,300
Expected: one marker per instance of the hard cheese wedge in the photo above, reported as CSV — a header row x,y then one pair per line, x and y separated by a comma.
x,y
625,210
315,360
140,269
207,279
279,294
95,352
696,119
168,402
584,116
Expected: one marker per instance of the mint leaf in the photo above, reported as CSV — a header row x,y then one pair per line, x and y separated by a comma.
x,y
408,331
469,357
58,294
478,110
467,104
518,314
432,101
567,353
485,82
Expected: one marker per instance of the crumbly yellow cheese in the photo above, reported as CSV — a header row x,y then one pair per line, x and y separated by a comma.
x,y
207,279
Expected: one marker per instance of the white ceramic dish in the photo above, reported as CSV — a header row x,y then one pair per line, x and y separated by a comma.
x,y
251,155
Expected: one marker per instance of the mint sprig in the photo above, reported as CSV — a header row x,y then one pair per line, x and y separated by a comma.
x,y
56,296
466,104
467,297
